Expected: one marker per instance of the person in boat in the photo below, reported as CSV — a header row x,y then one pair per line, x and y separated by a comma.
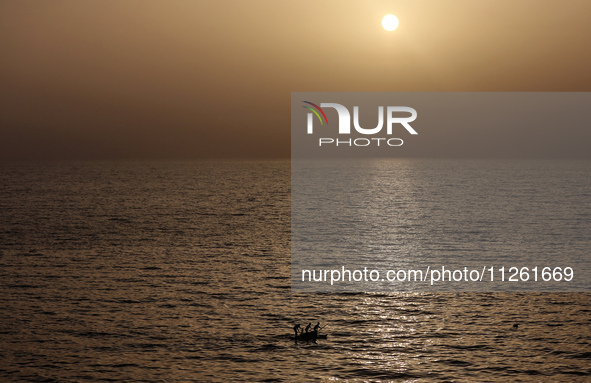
x,y
308,327
317,327
296,328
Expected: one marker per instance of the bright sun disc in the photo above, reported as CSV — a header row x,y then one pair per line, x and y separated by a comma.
x,y
390,22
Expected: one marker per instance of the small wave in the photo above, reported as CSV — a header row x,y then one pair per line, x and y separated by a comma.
x,y
95,334
25,286
151,268
121,365
269,347
582,355
456,362
474,347
147,345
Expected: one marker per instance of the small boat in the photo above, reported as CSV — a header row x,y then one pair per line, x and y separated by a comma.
x,y
311,336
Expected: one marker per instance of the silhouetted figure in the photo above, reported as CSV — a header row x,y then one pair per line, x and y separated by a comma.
x,y
317,327
308,327
296,328
515,327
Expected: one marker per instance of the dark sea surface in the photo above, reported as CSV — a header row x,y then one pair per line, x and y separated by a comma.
x,y
180,272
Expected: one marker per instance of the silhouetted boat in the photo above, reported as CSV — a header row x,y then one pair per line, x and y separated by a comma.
x,y
311,336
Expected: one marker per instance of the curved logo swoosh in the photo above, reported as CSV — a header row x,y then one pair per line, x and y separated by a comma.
x,y
316,113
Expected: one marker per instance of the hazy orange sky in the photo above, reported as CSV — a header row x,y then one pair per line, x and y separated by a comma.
x,y
198,79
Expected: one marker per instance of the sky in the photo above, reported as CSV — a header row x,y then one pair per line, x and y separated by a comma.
x,y
180,79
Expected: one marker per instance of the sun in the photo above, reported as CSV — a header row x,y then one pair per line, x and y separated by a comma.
x,y
390,22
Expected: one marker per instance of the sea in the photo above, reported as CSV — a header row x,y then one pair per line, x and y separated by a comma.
x,y
179,271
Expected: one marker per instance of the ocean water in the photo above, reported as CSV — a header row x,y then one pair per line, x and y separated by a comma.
x,y
511,218
180,272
